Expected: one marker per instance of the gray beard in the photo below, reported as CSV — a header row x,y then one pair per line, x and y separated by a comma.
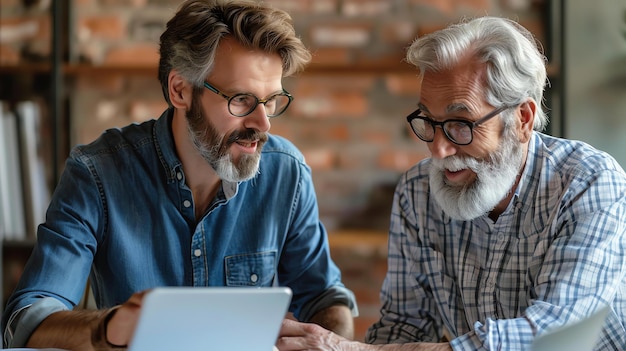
x,y
495,178
214,148
221,160
247,168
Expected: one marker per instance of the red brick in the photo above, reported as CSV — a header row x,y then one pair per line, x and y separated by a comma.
x,y
9,55
138,54
391,60
398,32
400,160
351,104
369,8
293,7
517,5
141,110
101,27
82,3
444,6
341,34
315,84
307,7
377,136
337,104
319,159
403,84
427,28
24,28
125,3
110,84
7,4
282,127
332,133
537,29
322,6
331,57
355,160
324,97
479,5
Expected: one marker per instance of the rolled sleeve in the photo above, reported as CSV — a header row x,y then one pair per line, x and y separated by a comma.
x,y
335,295
24,321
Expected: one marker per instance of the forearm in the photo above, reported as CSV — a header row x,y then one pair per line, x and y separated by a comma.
x,y
337,318
421,346
71,330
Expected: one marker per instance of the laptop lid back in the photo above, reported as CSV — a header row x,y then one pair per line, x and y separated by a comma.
x,y
579,336
211,318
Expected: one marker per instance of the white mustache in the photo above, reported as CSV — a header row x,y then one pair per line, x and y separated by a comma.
x,y
456,163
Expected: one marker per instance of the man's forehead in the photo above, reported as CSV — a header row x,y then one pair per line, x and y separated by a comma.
x,y
453,90
453,107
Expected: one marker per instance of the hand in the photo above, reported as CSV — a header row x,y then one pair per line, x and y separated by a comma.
x,y
122,325
309,336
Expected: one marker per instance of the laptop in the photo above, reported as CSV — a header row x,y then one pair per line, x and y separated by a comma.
x,y
211,318
580,336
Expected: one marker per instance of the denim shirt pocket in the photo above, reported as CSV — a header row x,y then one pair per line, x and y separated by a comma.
x,y
254,269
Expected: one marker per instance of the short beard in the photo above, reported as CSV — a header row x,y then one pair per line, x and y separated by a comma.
x,y
214,147
495,177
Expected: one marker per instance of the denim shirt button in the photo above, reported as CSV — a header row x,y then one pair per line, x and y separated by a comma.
x,y
197,252
187,203
254,278
179,175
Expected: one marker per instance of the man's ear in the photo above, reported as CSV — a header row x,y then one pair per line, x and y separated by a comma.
x,y
527,118
179,90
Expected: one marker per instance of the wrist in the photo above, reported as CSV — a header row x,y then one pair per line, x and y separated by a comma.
x,y
99,339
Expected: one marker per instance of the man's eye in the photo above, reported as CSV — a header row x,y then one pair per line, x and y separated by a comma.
x,y
241,99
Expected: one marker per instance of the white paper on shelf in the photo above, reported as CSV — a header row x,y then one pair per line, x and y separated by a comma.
x,y
10,178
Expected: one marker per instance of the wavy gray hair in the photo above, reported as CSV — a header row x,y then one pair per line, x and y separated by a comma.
x,y
515,63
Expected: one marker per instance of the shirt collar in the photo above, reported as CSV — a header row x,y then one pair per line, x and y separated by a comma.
x,y
164,142
529,177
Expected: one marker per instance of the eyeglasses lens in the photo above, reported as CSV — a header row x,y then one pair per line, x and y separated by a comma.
x,y
458,132
276,105
423,129
244,104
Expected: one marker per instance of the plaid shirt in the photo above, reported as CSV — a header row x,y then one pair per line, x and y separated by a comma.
x,y
554,256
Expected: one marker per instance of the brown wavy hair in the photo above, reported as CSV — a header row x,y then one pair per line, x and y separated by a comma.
x,y
192,36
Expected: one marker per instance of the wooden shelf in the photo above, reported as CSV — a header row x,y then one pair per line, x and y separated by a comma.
x,y
143,69
18,244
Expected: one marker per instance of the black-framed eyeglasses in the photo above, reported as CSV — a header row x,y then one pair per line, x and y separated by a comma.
x,y
242,104
458,131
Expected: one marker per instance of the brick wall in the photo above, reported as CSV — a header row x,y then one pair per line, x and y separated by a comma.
x,y
349,107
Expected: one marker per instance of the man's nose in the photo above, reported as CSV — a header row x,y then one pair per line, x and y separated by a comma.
x,y
441,147
258,119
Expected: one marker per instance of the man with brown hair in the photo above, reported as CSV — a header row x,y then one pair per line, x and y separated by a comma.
x,y
202,196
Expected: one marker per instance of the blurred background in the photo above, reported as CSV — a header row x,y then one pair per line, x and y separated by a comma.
x,y
71,68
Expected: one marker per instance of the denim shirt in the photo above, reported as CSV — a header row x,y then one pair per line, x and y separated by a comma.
x,y
123,216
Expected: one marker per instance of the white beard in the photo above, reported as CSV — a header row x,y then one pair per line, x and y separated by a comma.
x,y
227,170
495,178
